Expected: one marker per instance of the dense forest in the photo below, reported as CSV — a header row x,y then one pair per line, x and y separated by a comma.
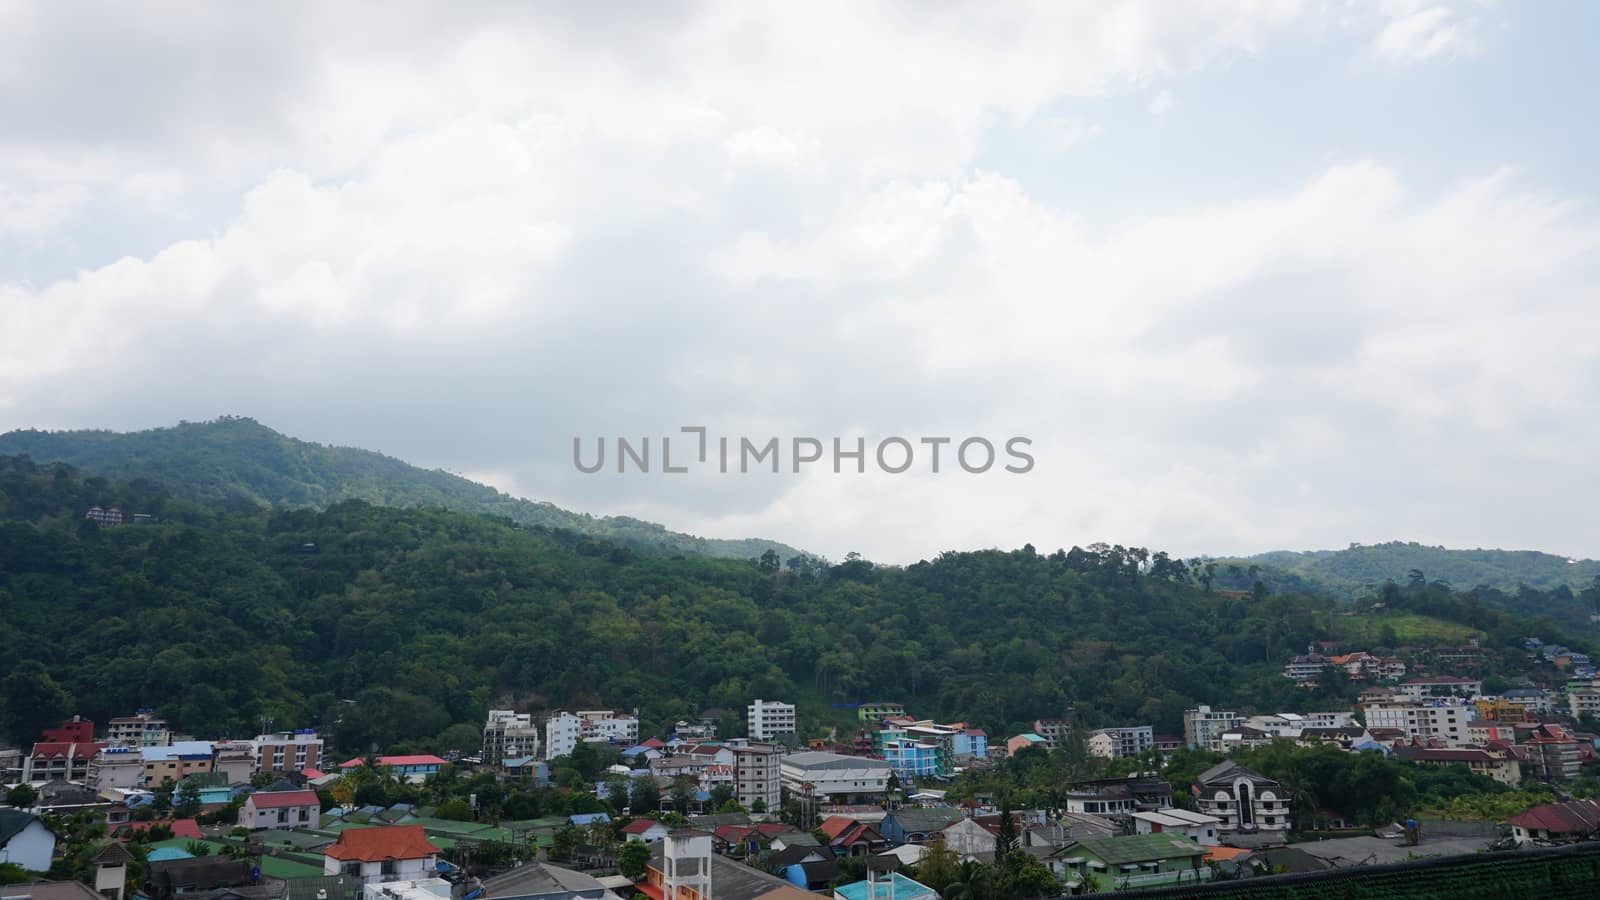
x,y
398,627
240,461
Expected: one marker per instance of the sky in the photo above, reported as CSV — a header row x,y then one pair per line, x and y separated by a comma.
x,y
1246,274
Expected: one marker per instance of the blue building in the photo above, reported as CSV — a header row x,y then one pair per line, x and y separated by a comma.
x,y
911,759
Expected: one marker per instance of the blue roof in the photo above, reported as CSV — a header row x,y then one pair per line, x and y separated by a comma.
x,y
161,854
588,818
904,889
517,762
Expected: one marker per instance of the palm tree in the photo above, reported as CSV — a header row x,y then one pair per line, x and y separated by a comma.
x,y
971,882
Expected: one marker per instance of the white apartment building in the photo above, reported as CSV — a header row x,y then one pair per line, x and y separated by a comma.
x,y
561,733
1445,719
768,719
508,734
1203,727
841,779
1439,686
143,729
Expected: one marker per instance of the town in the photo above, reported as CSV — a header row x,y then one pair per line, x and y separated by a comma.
x,y
579,802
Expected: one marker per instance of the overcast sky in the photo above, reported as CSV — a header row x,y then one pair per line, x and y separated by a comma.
x,y
1251,275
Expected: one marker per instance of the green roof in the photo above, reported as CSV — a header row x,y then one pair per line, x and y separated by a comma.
x,y
1134,848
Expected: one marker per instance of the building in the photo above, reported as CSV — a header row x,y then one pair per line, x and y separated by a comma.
x,y
413,767
235,761
1557,823
1502,767
1439,686
25,841
879,710
1122,743
280,809
142,729
835,778
376,855
756,776
1116,798
1554,755
917,825
105,517
1199,827
538,881
412,889
1481,732
768,719
509,735
685,866
1499,709
1535,701
971,742
1023,741
289,751
1242,800
59,761
912,759
1306,668
884,884
175,762
563,730
116,768
1444,719
76,730
1130,861
1203,726
1053,731
111,871
851,837
647,830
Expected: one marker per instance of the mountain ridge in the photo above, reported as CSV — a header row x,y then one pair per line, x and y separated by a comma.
x,y
238,459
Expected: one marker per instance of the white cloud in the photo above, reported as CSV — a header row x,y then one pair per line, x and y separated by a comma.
x,y
1161,104
1418,32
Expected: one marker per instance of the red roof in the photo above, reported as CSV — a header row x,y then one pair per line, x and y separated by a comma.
x,y
654,743
1456,755
313,773
54,749
379,844
281,799
415,760
833,826
1565,818
188,829
639,826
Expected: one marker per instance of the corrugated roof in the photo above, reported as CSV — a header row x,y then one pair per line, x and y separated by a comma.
x,y
378,844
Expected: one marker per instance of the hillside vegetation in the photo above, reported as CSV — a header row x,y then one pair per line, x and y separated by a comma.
x,y
239,460
398,627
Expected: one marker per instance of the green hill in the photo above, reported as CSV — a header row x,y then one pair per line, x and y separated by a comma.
x,y
239,460
400,626
1364,566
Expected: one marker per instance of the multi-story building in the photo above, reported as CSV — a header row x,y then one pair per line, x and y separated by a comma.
x,y
1306,668
1203,726
1127,741
236,760
879,710
1501,766
563,730
1439,686
1445,719
142,729
561,734
1054,731
59,761
1243,800
912,759
509,735
768,719
756,776
175,762
116,767
1553,755
835,778
103,516
971,742
76,730
1499,709
1535,701
289,751
1481,731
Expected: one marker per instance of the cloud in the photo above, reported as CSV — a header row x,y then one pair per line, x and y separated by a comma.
x,y
1417,32
1161,104
466,240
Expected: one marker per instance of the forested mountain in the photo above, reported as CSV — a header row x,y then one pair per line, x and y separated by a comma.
x,y
1526,582
398,627
240,460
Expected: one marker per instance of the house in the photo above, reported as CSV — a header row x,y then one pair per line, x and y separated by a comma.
x,y
200,876
1116,798
684,867
1130,861
1502,767
750,837
25,841
544,882
849,837
1198,826
1557,823
280,809
812,868
1023,741
835,778
1242,800
414,767
884,885
395,852
977,837
1243,736
646,830
917,825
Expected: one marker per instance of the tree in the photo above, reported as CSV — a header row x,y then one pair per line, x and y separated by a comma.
x,y
970,882
938,867
682,796
768,563
644,797
188,799
758,806
720,795
1021,877
456,810
22,796
197,848
1005,839
162,804
617,796
633,858
31,701
566,841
